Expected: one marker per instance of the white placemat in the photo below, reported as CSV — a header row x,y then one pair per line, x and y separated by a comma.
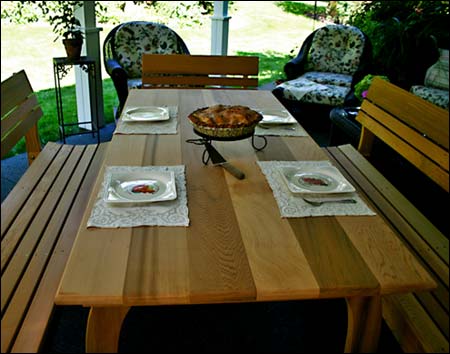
x,y
292,205
163,127
167,213
281,130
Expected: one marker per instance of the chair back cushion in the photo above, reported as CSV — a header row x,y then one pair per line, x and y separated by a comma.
x,y
133,39
437,74
337,49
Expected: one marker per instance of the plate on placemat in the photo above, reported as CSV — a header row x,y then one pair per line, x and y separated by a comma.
x,y
326,179
146,114
140,187
276,117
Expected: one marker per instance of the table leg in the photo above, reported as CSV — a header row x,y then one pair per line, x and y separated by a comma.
x,y
364,324
103,329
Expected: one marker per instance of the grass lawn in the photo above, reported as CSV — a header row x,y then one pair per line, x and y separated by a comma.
x,y
259,28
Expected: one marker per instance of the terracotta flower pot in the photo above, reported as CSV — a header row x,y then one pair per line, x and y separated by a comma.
x,y
73,48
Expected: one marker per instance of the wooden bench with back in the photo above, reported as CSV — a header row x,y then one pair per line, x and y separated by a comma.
x,y
40,217
199,71
418,131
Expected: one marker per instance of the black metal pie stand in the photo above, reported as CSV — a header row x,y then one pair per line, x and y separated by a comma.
x,y
206,140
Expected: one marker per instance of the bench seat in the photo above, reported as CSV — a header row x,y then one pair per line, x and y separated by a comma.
x,y
40,218
418,131
419,321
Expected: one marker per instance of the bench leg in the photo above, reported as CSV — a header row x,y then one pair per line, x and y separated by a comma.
x,y
364,324
103,329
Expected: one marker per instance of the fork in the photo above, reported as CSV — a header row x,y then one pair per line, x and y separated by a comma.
x,y
320,202
268,127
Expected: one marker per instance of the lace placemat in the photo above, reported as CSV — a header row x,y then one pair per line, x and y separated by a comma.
x,y
167,213
163,127
292,205
281,130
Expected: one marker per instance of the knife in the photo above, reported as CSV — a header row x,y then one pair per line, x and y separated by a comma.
x,y
218,160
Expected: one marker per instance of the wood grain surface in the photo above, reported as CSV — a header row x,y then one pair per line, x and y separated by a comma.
x,y
237,246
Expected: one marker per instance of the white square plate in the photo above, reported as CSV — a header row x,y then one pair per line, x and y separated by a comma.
x,y
146,114
140,187
276,117
316,180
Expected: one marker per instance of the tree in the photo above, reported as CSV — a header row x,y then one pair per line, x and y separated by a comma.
x,y
52,11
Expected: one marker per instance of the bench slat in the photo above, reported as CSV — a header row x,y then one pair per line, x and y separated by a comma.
x,y
412,326
14,89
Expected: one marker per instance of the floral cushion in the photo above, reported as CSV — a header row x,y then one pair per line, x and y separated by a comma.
x,y
337,49
329,78
308,91
437,96
134,39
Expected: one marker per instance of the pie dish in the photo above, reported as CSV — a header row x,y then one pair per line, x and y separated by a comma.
x,y
320,180
140,187
146,114
225,121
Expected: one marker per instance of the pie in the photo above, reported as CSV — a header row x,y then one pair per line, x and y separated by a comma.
x,y
225,121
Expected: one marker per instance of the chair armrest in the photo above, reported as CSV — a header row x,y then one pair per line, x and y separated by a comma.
x,y
120,81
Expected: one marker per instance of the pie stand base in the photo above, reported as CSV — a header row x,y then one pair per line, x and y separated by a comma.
x,y
206,140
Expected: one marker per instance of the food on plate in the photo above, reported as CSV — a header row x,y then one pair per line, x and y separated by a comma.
x,y
143,188
314,181
225,120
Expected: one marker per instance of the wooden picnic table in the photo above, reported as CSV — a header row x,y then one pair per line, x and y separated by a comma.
x,y
237,247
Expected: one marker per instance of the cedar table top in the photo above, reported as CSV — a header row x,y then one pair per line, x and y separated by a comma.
x,y
237,247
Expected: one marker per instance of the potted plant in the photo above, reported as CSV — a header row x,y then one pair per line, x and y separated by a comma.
x,y
67,26
362,87
73,39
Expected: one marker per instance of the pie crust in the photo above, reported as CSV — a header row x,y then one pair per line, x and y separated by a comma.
x,y
225,121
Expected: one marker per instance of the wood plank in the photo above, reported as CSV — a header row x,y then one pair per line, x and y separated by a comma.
x,y
18,82
412,326
27,108
148,249
218,264
279,266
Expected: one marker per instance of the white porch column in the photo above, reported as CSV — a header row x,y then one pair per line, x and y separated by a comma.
x,y
85,85
219,28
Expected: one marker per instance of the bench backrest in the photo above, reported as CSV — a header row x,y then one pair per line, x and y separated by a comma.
x,y
210,71
20,115
416,129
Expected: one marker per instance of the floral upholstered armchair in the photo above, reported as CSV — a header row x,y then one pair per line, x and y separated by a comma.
x,y
123,49
331,61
